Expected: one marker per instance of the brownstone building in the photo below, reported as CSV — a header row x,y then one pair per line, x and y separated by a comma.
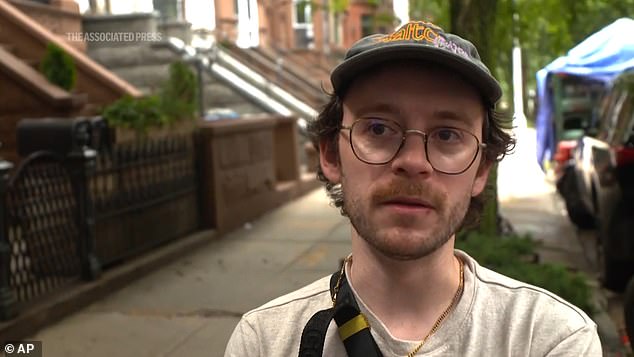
x,y
301,24
27,27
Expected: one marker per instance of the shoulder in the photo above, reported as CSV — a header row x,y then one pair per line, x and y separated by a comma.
x,y
522,299
291,311
529,317
275,328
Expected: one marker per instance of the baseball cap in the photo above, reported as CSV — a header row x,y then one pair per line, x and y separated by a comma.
x,y
417,40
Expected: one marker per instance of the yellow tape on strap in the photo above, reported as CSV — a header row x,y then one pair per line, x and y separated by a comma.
x,y
353,326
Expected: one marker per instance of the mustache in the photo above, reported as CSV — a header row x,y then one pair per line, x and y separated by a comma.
x,y
396,188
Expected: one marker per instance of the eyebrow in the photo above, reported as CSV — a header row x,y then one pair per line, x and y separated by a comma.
x,y
442,114
377,107
452,115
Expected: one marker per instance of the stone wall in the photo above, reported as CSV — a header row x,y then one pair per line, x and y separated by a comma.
x,y
249,167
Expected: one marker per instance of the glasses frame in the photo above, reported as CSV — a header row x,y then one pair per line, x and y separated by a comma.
x,y
480,147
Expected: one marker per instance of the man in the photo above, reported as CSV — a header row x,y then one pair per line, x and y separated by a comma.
x,y
405,145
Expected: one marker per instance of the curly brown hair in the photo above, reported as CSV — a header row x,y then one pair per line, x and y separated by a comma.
x,y
494,133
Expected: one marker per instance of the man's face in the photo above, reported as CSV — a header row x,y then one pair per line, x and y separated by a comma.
x,y
405,209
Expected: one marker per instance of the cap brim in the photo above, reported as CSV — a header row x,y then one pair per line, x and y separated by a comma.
x,y
345,72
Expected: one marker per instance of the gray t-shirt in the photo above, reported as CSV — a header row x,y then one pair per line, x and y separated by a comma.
x,y
496,316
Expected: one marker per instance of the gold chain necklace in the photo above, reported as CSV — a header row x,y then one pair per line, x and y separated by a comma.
x,y
445,313
438,322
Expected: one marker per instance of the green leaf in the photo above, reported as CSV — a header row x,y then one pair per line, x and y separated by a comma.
x,y
58,67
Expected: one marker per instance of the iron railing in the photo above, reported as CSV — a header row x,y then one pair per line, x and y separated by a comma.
x,y
135,188
65,216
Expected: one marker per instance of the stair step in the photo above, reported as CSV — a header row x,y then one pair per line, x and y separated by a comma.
x,y
12,49
8,47
33,63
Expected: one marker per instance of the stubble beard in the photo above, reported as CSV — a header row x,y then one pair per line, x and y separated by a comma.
x,y
449,220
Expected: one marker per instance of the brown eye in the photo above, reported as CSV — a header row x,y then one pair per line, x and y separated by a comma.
x,y
447,135
378,127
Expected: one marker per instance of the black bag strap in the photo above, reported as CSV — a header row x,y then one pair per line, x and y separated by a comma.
x,y
314,333
353,326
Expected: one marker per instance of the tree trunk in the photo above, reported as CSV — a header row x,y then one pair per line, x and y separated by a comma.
x,y
475,21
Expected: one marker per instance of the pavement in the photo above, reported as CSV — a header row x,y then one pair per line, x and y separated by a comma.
x,y
189,306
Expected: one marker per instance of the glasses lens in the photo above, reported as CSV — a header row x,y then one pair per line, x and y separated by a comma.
x,y
451,150
375,140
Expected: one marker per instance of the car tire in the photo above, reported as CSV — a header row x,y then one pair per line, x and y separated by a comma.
x,y
628,303
613,276
578,214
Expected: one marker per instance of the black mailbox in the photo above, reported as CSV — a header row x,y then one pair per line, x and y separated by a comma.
x,y
59,135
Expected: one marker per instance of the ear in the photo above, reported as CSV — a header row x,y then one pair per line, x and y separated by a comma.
x,y
329,161
481,178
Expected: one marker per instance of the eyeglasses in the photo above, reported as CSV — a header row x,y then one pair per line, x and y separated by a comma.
x,y
449,150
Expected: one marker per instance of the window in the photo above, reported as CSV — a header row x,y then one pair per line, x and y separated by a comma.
x,y
302,13
367,27
303,23
625,121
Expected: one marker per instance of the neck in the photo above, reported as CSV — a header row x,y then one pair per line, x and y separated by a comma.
x,y
408,296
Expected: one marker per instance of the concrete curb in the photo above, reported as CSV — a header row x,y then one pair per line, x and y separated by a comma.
x,y
82,294
606,327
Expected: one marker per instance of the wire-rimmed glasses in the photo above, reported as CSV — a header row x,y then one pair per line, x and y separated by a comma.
x,y
449,150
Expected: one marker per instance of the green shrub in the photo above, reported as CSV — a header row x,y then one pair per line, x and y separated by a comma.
x,y
512,256
175,101
58,67
496,252
179,92
136,113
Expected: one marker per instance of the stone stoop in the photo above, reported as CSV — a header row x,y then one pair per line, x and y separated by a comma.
x,y
146,66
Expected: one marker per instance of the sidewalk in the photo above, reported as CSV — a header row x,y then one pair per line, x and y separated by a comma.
x,y
529,200
190,307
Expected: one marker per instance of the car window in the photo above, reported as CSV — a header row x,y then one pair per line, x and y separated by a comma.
x,y
611,120
625,121
607,106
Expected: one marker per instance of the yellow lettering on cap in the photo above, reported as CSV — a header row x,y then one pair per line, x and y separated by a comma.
x,y
399,35
430,35
419,32
409,33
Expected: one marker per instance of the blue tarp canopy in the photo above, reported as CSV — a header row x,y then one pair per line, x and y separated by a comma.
x,y
601,56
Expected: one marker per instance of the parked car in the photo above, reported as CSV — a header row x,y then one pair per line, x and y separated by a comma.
x,y
604,174
575,100
564,168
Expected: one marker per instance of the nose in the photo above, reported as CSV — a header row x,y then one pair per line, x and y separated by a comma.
x,y
411,159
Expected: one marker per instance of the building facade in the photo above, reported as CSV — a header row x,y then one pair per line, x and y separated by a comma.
x,y
301,24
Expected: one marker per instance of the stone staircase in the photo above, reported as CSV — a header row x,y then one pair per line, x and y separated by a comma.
x,y
25,91
285,72
27,39
146,66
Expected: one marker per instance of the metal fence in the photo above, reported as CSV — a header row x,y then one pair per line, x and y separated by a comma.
x,y
144,194
64,217
43,230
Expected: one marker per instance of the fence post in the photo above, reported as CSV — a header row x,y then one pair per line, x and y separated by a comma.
x,y
8,299
83,163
